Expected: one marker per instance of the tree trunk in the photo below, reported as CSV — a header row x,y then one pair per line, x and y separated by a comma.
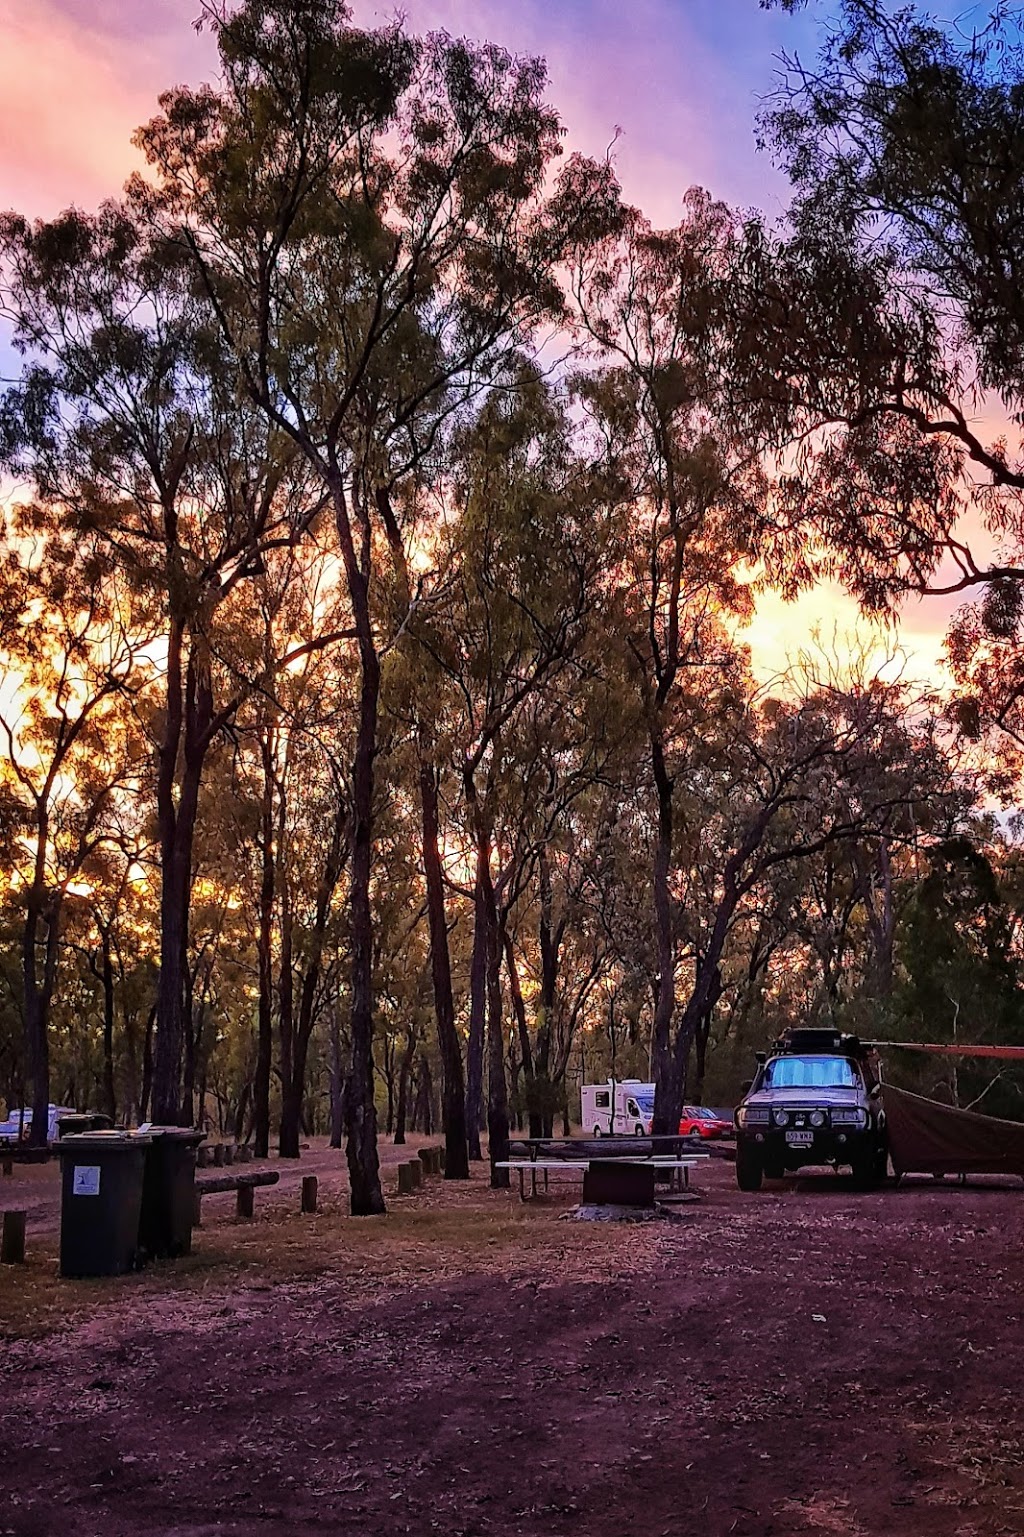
x,y
337,1081
147,1067
497,1088
477,1017
190,716
453,1085
668,1086
367,1199
525,1047
109,1096
265,941
404,1074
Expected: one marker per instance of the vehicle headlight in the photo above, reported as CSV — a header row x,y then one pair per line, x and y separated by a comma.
x,y
782,1117
752,1115
851,1117
817,1118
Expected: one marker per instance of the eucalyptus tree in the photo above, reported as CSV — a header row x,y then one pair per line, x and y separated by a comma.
x,y
348,196
878,336
127,418
70,747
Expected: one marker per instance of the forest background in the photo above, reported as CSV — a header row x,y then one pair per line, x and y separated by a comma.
x,y
392,511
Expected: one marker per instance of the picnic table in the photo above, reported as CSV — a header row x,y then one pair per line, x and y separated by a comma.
x,y
677,1168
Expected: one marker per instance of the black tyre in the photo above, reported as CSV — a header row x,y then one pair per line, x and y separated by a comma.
x,y
774,1168
638,1131
749,1169
869,1169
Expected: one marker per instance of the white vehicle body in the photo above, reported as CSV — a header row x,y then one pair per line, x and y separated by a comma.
x,y
19,1122
622,1109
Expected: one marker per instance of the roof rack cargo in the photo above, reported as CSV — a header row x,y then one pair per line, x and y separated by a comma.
x,y
818,1042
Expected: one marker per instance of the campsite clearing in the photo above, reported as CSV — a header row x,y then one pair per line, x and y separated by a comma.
x,y
807,1360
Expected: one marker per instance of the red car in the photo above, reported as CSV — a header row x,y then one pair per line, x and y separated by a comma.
x,y
699,1121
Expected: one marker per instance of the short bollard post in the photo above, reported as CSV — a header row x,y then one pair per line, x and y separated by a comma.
x,y
309,1190
202,1157
440,1159
243,1154
12,1240
244,1203
218,1154
416,1172
197,1209
8,1167
427,1159
405,1185
229,1152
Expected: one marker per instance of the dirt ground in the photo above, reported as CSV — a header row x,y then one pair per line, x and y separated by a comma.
x,y
809,1360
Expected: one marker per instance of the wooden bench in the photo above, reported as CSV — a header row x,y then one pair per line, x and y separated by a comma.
x,y
244,1185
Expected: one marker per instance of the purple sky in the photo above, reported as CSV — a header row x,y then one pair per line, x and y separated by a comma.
x,y
680,78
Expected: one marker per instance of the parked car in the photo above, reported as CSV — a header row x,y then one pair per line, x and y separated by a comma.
x,y
816,1099
701,1121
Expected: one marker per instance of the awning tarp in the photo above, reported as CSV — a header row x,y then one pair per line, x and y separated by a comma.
x,y
928,1138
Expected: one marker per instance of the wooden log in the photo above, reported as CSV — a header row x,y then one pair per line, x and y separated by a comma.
x,y
244,1202
12,1239
214,1184
309,1192
218,1154
405,1185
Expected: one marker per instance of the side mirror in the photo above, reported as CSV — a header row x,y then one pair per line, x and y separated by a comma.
x,y
874,1091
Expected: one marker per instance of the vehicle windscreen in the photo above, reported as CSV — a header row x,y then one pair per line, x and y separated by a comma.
x,y
809,1073
645,1103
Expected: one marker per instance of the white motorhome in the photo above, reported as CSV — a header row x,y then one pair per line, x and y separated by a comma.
x,y
625,1108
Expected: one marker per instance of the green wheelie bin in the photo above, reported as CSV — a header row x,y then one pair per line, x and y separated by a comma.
x,y
168,1192
101,1201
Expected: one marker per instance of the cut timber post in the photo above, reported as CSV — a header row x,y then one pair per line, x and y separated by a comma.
x,y
12,1241
426,1159
8,1167
416,1172
229,1153
309,1189
405,1185
441,1155
197,1208
244,1203
202,1157
218,1154
243,1155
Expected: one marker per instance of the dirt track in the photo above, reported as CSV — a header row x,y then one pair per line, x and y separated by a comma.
x,y
810,1360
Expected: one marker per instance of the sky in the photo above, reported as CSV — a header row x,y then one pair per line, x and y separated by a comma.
x,y
679,80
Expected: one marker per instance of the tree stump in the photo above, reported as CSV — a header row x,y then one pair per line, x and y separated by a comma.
x,y
218,1154
405,1184
12,1240
416,1170
427,1159
309,1191
244,1203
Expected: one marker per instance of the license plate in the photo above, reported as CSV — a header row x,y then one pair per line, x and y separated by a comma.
x,y
800,1138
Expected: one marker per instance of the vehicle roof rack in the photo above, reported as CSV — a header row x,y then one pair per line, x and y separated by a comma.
x,y
807,1041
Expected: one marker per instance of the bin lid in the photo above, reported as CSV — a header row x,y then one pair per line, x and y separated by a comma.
x,y
172,1133
103,1141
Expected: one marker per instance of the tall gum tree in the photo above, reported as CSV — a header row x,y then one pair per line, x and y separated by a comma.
x,y
341,186
127,416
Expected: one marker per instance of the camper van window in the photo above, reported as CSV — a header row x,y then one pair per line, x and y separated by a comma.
x,y
631,1107
603,1100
